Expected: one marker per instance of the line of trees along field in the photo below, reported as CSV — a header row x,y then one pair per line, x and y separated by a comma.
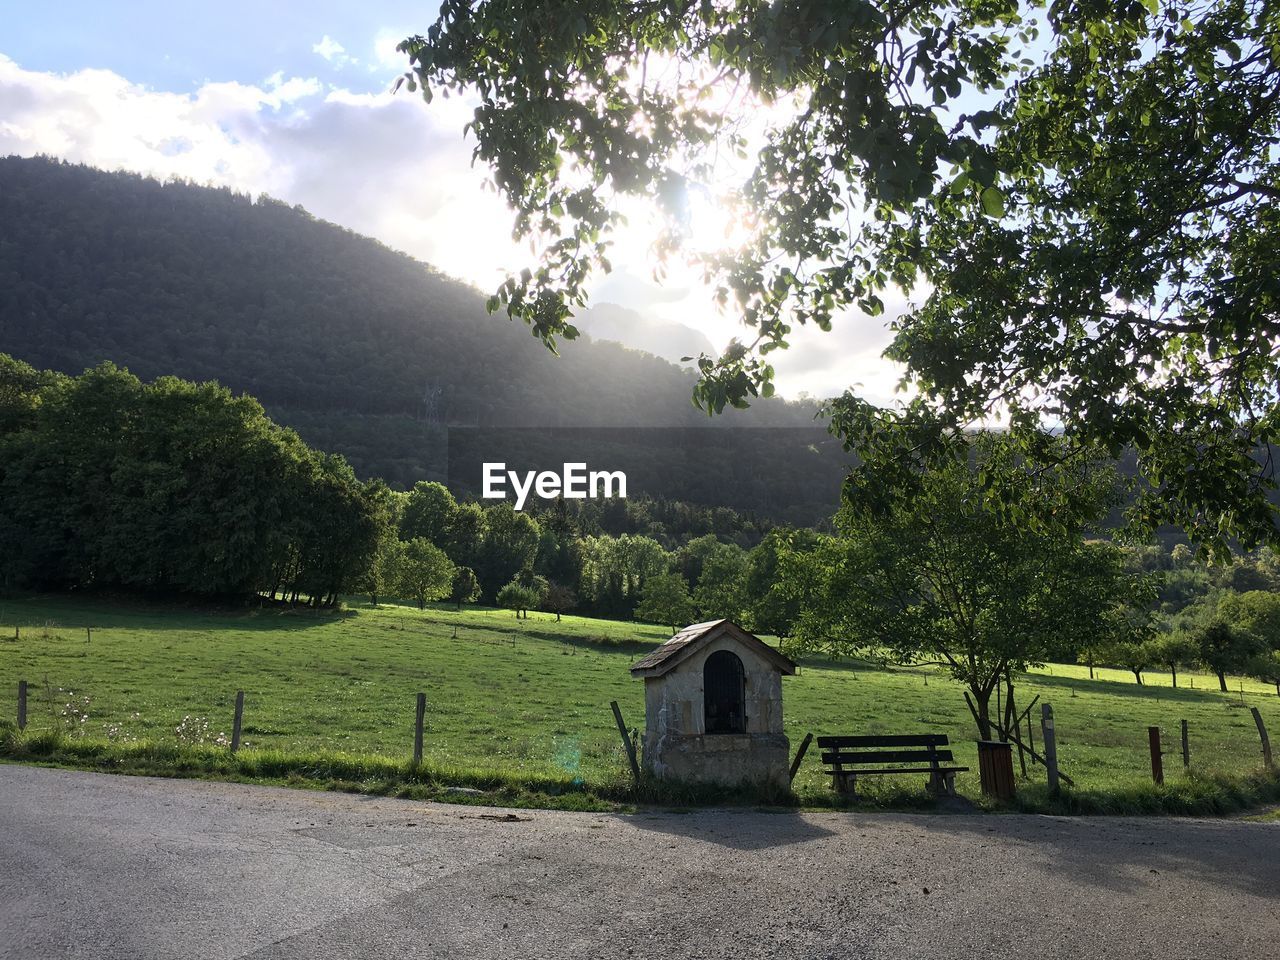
x,y
171,486
175,487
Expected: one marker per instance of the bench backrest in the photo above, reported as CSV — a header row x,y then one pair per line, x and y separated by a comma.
x,y
891,749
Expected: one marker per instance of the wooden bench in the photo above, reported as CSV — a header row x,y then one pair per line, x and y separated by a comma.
x,y
851,757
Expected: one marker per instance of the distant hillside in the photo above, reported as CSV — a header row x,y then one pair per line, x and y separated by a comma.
x,y
364,350
671,341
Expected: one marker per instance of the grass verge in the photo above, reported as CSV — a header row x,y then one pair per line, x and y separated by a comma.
x,y
1211,794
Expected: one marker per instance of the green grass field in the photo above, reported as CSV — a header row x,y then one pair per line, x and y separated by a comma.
x,y
530,698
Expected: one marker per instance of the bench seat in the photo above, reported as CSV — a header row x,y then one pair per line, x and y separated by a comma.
x,y
848,758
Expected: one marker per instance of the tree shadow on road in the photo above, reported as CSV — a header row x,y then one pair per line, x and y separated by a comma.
x,y
737,829
1128,854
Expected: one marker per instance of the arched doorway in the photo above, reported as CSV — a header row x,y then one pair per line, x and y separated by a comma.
x,y
724,694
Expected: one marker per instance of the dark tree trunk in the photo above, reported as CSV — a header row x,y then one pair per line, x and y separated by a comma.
x,y
1173,669
1138,676
983,701
1222,679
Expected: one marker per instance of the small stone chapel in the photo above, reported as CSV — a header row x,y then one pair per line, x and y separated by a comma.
x,y
713,707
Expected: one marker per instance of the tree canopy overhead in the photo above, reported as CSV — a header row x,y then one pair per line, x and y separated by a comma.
x,y
1080,196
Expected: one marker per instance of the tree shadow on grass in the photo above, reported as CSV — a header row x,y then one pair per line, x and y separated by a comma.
x,y
1111,688
146,614
606,644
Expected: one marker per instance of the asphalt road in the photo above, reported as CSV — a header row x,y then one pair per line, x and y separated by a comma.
x,y
119,867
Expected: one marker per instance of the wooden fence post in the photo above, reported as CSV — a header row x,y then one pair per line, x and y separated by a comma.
x,y
1266,741
1012,722
22,704
1050,747
1186,747
795,764
1157,763
88,634
626,742
236,723
421,715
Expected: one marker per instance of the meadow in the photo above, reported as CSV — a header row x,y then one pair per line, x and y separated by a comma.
x,y
529,699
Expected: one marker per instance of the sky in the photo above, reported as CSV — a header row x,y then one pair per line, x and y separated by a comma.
x,y
293,100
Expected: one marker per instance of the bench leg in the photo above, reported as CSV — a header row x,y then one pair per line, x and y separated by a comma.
x,y
845,783
942,784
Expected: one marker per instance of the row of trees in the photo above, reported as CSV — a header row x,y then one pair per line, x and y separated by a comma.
x,y
1226,633
172,486
561,559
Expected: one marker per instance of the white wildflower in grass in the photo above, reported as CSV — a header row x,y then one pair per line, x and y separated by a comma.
x,y
75,713
195,731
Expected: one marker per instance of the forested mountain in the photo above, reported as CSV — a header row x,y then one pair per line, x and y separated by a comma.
x,y
365,351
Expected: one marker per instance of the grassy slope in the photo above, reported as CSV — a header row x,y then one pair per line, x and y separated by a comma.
x,y
531,697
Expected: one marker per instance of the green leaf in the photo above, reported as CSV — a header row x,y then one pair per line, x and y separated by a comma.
x,y
992,202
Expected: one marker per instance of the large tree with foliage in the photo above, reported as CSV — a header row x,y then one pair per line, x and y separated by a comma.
x,y
1134,655
1176,650
722,586
1223,644
946,578
558,599
1266,667
665,599
1254,611
510,545
426,573
616,569
465,587
1080,196
520,597
772,609
382,573
429,510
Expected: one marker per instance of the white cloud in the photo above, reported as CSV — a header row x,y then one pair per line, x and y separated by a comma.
x,y
384,51
332,51
382,165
